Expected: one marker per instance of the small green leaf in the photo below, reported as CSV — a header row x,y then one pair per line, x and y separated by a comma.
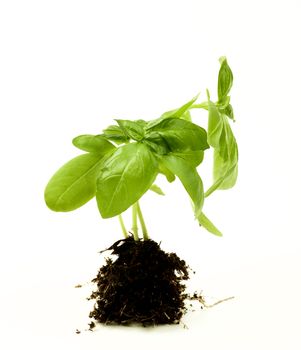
x,y
225,79
223,104
170,177
225,164
189,178
132,129
225,181
155,188
178,113
124,178
208,225
215,125
187,116
229,112
92,143
141,122
180,135
74,183
156,142
115,133
175,113
226,160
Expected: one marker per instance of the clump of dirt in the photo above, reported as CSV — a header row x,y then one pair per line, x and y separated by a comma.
x,y
142,285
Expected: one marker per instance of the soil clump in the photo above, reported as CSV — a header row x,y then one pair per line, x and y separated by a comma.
x,y
140,283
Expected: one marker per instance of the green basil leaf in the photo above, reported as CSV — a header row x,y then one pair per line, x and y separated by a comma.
x,y
225,79
194,158
229,112
74,183
226,181
141,122
132,129
170,177
215,125
224,103
226,108
116,134
189,178
225,164
180,135
223,180
175,113
155,188
92,143
156,142
208,225
187,116
124,178
178,113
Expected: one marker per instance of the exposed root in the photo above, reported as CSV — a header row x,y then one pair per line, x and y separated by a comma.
x,y
202,301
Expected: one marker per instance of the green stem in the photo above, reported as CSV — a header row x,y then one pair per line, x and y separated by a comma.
x,y
135,224
142,222
124,231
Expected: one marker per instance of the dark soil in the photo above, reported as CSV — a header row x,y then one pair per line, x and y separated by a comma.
x,y
142,285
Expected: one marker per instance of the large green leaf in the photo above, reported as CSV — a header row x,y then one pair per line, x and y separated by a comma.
x,y
92,143
189,178
179,135
125,177
74,184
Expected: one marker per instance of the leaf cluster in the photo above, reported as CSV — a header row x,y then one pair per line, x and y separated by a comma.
x,y
122,163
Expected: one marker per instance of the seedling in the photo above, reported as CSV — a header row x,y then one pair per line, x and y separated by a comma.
x,y
121,164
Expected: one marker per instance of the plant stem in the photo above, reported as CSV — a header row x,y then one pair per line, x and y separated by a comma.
x,y
142,222
122,226
135,225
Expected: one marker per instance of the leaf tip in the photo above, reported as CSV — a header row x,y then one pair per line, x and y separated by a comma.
x,y
222,59
208,94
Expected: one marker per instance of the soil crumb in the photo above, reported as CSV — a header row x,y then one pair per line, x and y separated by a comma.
x,y
142,285
91,325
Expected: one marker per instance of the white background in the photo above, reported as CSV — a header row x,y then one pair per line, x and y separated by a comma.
x,y
68,68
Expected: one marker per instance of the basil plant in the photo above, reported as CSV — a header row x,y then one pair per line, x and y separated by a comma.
x,y
121,164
